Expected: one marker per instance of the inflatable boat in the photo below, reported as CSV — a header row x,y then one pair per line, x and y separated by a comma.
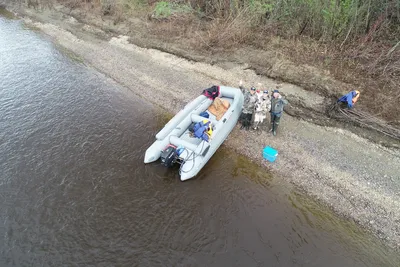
x,y
175,143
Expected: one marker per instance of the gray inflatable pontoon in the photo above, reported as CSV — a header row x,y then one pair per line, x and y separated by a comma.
x,y
197,152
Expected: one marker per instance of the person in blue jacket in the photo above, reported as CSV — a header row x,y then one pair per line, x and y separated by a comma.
x,y
350,99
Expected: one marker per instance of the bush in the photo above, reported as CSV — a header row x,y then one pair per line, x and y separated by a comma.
x,y
164,10
321,19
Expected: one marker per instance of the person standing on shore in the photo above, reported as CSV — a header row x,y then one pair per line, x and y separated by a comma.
x,y
262,106
277,105
250,99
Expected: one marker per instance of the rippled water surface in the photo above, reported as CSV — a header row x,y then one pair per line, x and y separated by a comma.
x,y
74,190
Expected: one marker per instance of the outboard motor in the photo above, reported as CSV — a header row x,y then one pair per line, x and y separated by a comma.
x,y
170,155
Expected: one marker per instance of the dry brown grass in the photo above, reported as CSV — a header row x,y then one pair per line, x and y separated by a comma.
x,y
375,69
226,33
212,34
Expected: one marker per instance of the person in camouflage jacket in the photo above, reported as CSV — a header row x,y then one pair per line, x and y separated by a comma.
x,y
250,99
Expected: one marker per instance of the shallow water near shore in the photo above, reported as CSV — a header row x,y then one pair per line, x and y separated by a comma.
x,y
74,189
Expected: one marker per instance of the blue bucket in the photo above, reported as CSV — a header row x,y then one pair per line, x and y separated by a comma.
x,y
270,154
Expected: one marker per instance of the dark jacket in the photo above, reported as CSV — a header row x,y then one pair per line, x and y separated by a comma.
x,y
277,105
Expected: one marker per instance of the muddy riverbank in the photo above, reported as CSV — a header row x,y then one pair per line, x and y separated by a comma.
x,y
357,178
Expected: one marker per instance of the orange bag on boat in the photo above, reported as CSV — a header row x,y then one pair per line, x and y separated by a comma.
x,y
218,107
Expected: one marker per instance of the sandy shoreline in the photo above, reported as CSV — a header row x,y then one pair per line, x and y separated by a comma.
x,y
356,178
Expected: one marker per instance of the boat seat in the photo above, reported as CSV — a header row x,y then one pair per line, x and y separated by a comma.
x,y
199,149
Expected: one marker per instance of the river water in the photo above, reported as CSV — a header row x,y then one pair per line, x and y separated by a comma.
x,y
74,190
